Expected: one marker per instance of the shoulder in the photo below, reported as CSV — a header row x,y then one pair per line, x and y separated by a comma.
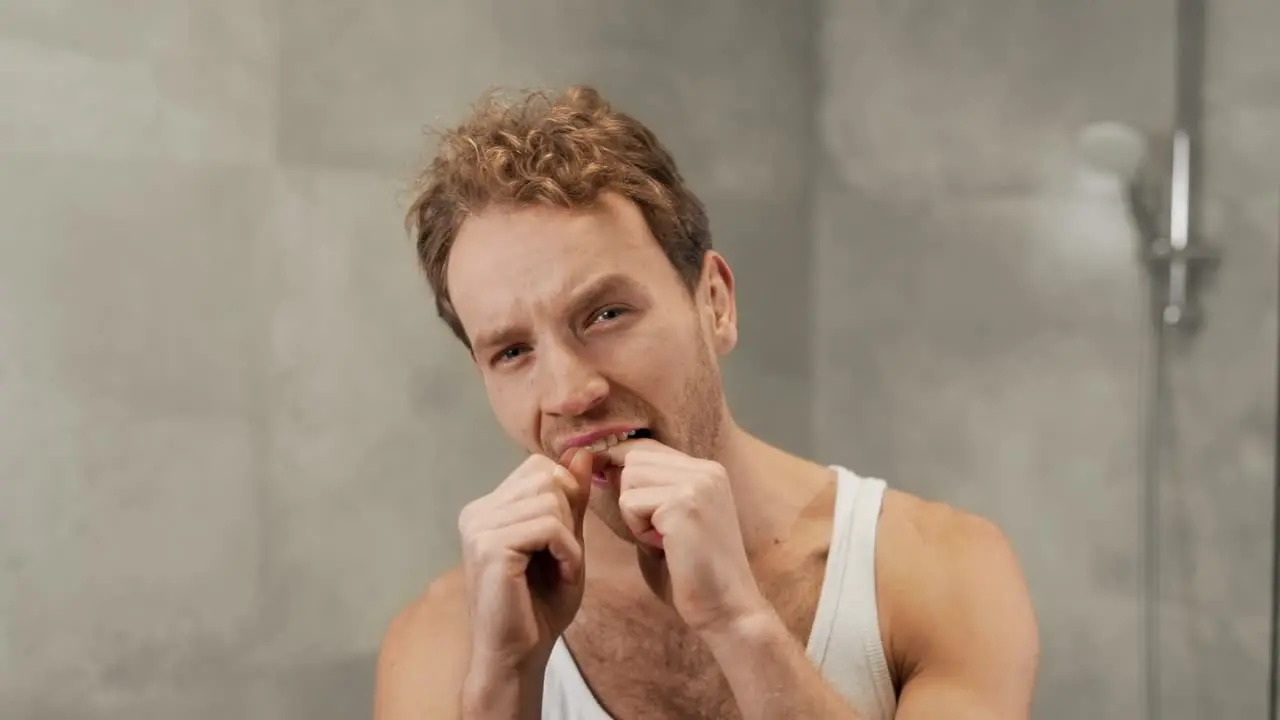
x,y
952,597
423,649
941,539
444,599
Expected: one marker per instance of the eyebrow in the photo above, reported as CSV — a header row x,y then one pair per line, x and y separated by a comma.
x,y
584,297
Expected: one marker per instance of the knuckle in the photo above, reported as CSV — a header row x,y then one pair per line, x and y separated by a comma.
x,y
712,477
561,477
466,519
488,546
714,470
475,547
549,503
689,494
537,463
548,482
535,481
548,526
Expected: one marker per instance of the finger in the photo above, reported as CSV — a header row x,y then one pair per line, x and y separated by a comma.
x,y
501,515
539,533
644,475
627,450
551,478
637,508
580,463
530,478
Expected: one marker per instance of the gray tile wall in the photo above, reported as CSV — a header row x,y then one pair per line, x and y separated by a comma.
x,y
981,335
233,437
1220,434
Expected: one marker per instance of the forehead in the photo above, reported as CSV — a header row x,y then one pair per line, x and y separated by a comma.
x,y
506,260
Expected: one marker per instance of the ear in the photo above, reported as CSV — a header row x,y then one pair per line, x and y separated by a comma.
x,y
717,291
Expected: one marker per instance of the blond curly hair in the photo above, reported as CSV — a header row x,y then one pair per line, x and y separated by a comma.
x,y
561,151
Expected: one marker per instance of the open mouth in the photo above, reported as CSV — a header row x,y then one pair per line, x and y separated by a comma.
x,y
605,473
610,440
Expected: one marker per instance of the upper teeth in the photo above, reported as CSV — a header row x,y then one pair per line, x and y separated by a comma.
x,y
609,441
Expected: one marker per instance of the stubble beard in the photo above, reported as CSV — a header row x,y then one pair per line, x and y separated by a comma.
x,y
694,430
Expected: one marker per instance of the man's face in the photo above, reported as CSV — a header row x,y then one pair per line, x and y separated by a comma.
x,y
579,324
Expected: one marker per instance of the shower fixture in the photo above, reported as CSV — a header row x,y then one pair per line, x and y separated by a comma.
x,y
1157,173
1162,199
1123,152
1177,264
1115,148
1159,200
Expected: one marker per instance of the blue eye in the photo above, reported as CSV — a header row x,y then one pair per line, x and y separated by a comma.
x,y
510,354
609,314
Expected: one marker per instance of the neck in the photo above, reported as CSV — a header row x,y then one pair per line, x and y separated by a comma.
x,y
770,486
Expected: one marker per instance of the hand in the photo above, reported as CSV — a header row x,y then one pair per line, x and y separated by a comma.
x,y
523,560
685,506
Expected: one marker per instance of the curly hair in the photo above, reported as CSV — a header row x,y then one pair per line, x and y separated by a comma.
x,y
561,151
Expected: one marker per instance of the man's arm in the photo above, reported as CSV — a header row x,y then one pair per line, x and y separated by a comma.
x,y
961,627
961,630
770,674
423,663
424,667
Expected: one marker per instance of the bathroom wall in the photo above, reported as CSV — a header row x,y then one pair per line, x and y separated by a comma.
x,y
980,331
233,436
1218,458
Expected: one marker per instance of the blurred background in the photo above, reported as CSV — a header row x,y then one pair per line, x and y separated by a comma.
x,y
234,437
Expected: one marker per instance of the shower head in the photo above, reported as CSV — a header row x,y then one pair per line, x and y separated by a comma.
x,y
1121,151
1114,148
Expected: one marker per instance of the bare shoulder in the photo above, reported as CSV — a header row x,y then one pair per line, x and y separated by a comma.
x,y
936,533
955,607
422,662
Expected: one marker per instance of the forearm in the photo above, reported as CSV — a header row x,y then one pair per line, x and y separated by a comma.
x,y
770,675
491,693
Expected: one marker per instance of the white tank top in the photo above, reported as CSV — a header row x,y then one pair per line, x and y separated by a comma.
x,y
845,641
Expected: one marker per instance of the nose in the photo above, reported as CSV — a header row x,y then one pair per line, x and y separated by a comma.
x,y
570,385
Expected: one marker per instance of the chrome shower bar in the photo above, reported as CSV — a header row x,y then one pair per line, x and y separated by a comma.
x,y
1182,257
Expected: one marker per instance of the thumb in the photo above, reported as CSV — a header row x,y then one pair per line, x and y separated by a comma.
x,y
579,461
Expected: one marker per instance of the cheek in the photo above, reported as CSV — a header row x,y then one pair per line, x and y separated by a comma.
x,y
514,409
659,363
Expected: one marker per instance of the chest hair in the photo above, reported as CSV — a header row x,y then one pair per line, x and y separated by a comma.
x,y
640,660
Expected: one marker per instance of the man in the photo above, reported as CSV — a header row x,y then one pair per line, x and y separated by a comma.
x,y
713,575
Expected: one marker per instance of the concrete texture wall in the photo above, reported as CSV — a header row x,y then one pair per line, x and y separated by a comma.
x,y
233,436
981,333
1219,436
